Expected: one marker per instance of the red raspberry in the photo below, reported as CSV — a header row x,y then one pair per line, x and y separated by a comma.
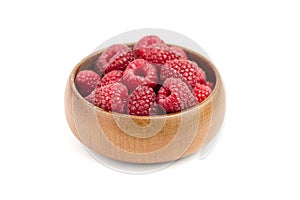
x,y
115,57
111,97
160,54
186,70
141,46
147,41
140,72
157,110
210,84
201,92
114,76
91,97
175,96
201,76
142,102
179,51
86,81
105,57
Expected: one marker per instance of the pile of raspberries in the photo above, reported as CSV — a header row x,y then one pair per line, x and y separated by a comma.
x,y
153,78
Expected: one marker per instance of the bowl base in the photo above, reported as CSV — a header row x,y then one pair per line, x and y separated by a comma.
x,y
139,168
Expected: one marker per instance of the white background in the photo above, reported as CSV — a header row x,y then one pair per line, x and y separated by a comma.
x,y
255,46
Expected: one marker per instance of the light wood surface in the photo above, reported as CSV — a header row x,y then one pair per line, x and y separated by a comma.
x,y
152,139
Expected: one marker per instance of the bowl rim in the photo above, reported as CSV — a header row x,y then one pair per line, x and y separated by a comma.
x,y
217,85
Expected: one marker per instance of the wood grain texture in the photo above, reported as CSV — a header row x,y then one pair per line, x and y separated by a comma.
x,y
151,139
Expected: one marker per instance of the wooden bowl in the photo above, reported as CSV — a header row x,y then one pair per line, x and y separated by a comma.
x,y
146,139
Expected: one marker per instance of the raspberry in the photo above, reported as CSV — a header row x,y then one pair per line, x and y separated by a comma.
x,y
160,54
114,76
111,97
186,70
147,41
141,46
140,72
179,51
86,81
91,97
115,57
157,110
105,57
142,102
210,84
200,76
201,92
175,96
